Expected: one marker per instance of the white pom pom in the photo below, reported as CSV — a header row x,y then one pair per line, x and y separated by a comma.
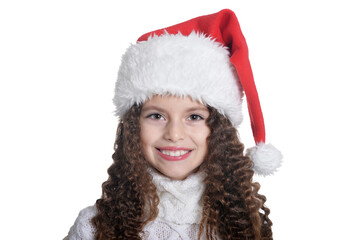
x,y
266,158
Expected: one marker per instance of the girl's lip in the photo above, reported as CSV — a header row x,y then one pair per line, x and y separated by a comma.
x,y
174,158
170,148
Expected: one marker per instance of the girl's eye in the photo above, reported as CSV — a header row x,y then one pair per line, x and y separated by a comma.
x,y
195,117
155,116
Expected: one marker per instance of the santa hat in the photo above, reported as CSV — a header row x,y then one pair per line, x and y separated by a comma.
x,y
205,58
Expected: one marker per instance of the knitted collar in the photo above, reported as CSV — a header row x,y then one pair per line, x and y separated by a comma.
x,y
180,200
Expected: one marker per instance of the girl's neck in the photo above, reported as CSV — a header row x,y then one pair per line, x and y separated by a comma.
x,y
180,200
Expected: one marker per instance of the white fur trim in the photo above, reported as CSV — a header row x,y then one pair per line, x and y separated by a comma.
x,y
193,65
266,158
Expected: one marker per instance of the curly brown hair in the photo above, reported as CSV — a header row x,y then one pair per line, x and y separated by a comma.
x,y
231,203
232,208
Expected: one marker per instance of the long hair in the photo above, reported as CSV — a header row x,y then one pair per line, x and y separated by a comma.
x,y
232,208
231,201
129,191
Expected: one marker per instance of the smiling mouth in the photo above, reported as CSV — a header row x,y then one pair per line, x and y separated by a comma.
x,y
173,155
176,153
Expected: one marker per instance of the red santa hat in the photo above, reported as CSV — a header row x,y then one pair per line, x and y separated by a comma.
x,y
205,58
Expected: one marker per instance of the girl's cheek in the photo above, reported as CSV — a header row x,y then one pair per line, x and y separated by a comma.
x,y
152,129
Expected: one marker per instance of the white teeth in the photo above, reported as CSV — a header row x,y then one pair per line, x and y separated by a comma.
x,y
173,153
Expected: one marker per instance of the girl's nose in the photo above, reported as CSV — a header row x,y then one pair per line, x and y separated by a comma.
x,y
174,131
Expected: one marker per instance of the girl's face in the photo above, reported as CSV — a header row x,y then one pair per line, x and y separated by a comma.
x,y
173,135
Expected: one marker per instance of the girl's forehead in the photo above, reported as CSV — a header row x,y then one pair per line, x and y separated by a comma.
x,y
171,101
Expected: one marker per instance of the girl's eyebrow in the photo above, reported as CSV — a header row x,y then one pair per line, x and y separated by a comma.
x,y
153,107
197,109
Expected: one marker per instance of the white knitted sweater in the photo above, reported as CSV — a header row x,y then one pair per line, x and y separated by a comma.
x,y
180,211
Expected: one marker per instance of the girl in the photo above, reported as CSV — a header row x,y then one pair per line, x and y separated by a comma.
x,y
179,170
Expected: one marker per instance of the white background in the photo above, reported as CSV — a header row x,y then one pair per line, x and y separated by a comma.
x,y
58,66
